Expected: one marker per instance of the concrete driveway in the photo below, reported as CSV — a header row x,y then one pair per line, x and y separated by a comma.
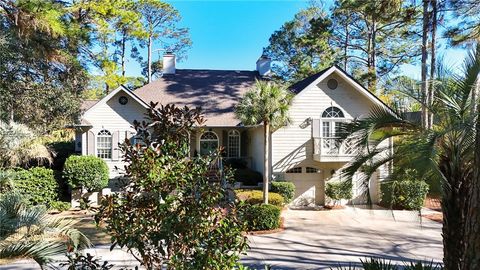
x,y
324,239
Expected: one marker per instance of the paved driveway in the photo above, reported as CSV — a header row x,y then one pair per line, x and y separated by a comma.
x,y
324,239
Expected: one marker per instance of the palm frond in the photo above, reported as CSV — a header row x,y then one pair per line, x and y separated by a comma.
x,y
41,251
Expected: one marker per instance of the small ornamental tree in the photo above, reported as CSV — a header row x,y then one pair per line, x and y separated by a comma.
x,y
175,211
87,172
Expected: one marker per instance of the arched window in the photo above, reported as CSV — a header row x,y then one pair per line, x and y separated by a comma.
x,y
208,142
332,112
104,144
331,129
233,143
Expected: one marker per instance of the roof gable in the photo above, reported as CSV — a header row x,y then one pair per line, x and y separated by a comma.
x,y
112,94
298,87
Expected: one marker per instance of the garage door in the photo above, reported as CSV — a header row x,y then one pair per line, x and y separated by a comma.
x,y
309,186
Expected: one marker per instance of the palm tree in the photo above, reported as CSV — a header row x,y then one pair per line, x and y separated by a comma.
x,y
267,103
444,153
19,145
29,232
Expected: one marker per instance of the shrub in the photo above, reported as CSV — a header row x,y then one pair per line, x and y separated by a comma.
x,y
86,171
62,149
37,184
286,189
247,177
404,194
339,190
261,217
256,197
60,206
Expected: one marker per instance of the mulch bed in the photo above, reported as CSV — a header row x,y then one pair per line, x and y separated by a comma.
x,y
433,203
437,217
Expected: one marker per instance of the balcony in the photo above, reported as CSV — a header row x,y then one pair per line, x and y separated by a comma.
x,y
330,149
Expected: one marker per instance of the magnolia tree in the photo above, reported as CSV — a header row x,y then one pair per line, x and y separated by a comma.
x,y
174,212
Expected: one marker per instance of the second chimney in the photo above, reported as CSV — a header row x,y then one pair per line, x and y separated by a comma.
x,y
263,65
169,63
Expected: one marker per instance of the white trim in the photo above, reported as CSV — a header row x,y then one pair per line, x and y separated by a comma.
x,y
200,136
370,96
239,143
112,94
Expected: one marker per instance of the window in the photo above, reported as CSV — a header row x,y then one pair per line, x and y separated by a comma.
x,y
233,143
332,112
332,84
331,129
312,170
104,144
295,170
123,100
208,143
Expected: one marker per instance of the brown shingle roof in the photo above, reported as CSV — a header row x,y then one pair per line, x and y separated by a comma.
x,y
87,104
215,91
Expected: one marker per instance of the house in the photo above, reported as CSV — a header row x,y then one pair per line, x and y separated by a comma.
x,y
305,152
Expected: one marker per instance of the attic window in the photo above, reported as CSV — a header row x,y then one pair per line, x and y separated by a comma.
x,y
332,84
123,100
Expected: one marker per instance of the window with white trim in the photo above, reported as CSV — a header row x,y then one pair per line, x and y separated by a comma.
x,y
332,119
233,143
104,144
208,143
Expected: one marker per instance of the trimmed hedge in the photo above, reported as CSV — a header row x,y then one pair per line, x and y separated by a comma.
x,y
404,194
338,190
37,184
256,197
86,171
261,217
286,189
61,206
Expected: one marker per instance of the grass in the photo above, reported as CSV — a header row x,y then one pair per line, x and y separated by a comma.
x,y
86,224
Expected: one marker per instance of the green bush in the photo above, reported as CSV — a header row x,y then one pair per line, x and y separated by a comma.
x,y
256,197
60,206
37,184
86,171
286,189
339,190
260,217
405,190
247,177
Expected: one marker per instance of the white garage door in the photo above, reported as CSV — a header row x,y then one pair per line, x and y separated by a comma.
x,y
309,186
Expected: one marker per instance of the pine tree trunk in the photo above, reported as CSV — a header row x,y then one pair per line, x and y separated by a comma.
x,y
424,88
266,161
373,61
433,64
124,42
149,59
345,47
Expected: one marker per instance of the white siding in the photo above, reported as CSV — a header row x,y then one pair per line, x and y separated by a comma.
x,y
292,144
114,117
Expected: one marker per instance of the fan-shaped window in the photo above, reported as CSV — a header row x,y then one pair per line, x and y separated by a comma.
x,y
332,112
104,144
295,170
233,143
208,143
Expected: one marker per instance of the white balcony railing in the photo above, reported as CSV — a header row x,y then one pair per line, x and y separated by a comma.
x,y
333,149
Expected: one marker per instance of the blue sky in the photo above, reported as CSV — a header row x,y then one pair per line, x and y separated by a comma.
x,y
231,34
